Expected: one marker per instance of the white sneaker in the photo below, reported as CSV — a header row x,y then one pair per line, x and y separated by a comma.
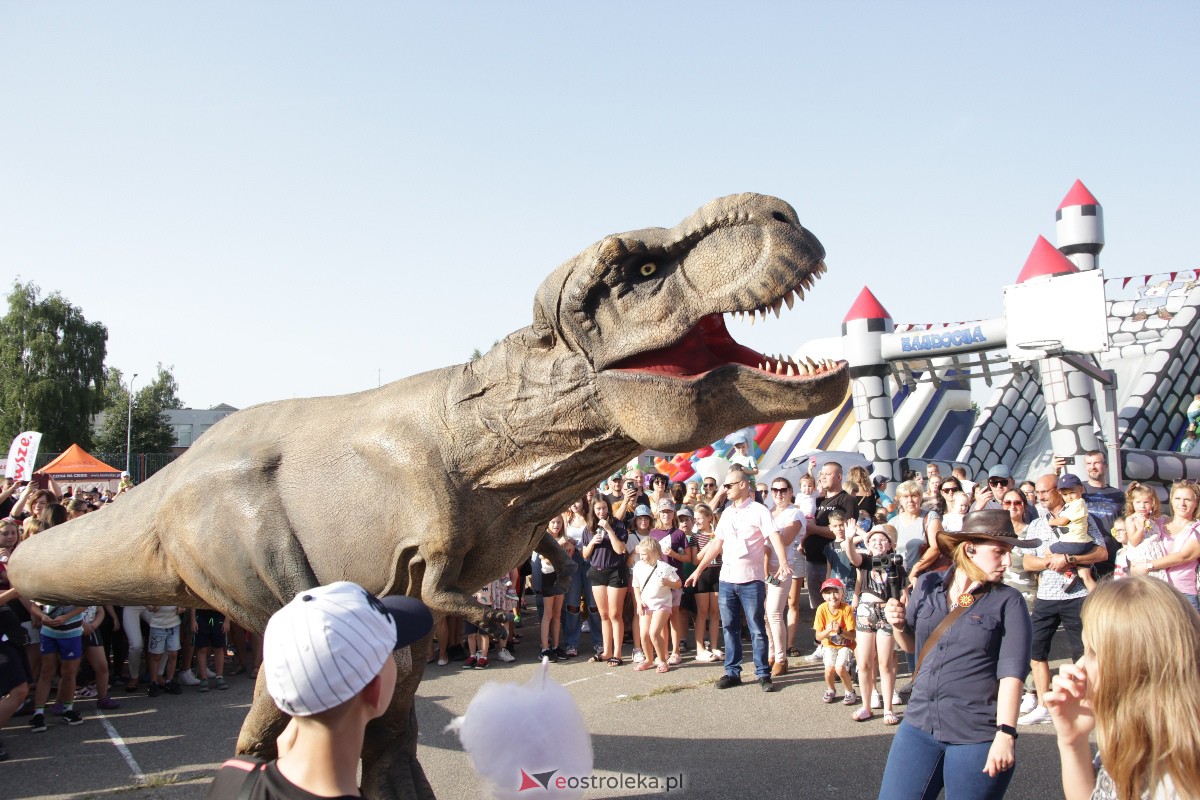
x,y
1028,703
718,654
504,655
876,699
896,699
1039,716
817,655
704,655
638,656
586,627
187,678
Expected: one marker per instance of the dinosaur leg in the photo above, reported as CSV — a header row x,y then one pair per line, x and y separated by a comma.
x,y
390,770
263,723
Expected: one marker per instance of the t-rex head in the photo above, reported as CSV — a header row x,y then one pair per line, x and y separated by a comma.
x,y
645,310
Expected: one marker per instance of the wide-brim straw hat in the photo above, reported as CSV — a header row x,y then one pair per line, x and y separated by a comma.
x,y
993,524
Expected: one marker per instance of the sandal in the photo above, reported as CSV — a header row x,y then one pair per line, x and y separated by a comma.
x,y
891,718
794,652
596,659
662,668
645,665
615,661
862,715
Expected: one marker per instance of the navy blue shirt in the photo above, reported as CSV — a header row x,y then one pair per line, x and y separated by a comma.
x,y
954,699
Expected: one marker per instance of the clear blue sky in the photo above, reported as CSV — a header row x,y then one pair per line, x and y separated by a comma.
x,y
292,199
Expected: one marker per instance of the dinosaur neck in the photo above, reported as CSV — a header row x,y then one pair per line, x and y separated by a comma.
x,y
535,418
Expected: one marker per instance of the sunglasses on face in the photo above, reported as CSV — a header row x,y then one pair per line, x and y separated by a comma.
x,y
735,483
997,482
1013,503
949,489
779,490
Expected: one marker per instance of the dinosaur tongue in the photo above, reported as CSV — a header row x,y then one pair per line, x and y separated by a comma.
x,y
707,346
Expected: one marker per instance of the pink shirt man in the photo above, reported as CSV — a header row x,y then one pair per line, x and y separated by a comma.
x,y
744,530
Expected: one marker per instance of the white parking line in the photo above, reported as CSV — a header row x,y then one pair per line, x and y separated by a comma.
x,y
138,775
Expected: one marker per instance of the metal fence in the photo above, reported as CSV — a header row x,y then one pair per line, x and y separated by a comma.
x,y
141,465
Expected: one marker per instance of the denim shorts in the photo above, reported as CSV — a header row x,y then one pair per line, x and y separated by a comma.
x,y
163,640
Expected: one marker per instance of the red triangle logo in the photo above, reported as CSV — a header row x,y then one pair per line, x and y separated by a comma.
x,y
527,782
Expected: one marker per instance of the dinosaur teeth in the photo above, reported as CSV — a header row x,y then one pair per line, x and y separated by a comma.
x,y
790,299
778,304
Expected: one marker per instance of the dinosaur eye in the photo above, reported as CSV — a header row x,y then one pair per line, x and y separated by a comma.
x,y
648,269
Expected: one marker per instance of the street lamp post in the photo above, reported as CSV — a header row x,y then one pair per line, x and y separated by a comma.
x,y
129,424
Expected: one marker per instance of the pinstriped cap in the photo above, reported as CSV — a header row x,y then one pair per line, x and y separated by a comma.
x,y
326,645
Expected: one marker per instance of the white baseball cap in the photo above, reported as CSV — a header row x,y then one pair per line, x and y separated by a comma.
x,y
326,645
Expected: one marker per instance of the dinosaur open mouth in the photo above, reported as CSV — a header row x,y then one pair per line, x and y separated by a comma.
x,y
708,346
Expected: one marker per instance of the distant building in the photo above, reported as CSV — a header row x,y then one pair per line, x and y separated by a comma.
x,y
190,423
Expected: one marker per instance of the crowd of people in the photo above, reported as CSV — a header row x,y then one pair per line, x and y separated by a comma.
x,y
674,574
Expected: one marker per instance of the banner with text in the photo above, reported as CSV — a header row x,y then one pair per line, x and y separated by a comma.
x,y
21,455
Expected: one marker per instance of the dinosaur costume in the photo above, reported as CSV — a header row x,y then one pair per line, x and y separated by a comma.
x,y
458,469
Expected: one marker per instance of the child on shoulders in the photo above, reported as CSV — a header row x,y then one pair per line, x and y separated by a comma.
x,y
1072,530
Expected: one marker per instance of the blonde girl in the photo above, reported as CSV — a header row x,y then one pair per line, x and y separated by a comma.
x,y
1138,687
653,581
1180,540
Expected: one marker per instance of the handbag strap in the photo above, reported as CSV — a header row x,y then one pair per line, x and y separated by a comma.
x,y
945,624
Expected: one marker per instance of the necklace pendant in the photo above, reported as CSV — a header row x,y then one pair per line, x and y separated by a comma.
x,y
966,599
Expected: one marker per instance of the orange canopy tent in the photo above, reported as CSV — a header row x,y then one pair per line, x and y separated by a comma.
x,y
75,464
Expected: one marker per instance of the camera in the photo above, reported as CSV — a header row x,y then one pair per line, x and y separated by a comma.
x,y
630,484
893,565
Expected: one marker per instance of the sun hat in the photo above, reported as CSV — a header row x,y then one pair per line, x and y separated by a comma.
x,y
329,642
665,505
992,524
642,511
685,511
832,583
1000,471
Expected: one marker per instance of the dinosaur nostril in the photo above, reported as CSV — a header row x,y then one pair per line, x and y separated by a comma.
x,y
778,217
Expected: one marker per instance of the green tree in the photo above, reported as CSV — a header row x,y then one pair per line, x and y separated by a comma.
x,y
151,432
51,369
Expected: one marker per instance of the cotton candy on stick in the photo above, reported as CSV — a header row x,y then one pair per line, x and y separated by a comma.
x,y
555,746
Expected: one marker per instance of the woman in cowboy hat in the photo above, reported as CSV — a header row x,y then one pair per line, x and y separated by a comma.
x,y
973,636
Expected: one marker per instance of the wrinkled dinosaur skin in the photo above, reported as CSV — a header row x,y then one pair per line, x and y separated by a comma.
x,y
446,479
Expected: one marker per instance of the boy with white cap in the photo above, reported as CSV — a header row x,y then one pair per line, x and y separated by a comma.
x,y
329,664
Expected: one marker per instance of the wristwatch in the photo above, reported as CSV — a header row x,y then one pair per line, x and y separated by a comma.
x,y
1071,559
1009,729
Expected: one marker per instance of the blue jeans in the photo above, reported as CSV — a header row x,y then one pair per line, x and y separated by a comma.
x,y
580,587
919,766
749,599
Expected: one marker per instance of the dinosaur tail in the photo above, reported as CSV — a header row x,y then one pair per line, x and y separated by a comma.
x,y
109,556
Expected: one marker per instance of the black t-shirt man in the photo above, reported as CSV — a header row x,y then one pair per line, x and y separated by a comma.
x,y
814,545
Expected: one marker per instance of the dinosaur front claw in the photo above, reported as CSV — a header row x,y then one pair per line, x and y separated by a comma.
x,y
563,583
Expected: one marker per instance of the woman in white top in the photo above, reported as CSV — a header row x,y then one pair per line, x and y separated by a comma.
x,y
1138,687
914,528
781,620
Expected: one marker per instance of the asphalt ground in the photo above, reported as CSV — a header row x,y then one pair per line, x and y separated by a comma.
x,y
739,742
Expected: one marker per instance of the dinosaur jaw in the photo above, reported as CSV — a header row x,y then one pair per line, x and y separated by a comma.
x,y
681,397
708,346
